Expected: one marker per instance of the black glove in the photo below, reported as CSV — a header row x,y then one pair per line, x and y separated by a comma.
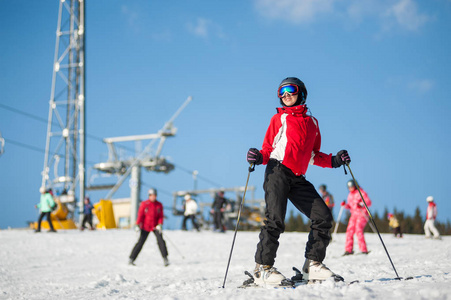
x,y
254,156
340,159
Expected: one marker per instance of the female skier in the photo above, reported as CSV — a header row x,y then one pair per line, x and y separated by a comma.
x,y
357,221
291,143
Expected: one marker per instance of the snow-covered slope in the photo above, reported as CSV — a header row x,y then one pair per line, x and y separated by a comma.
x,y
93,265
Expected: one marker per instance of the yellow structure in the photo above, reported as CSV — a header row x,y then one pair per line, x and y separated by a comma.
x,y
103,211
105,214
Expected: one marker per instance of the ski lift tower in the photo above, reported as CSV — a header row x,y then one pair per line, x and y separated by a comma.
x,y
64,162
149,158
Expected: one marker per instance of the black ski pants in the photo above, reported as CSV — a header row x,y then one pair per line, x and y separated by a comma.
x,y
47,215
281,184
87,218
193,220
397,231
217,218
142,239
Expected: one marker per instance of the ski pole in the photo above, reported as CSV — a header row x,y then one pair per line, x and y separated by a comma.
x,y
338,220
251,169
371,225
166,236
372,221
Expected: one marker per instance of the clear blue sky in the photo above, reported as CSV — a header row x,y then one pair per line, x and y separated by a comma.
x,y
377,74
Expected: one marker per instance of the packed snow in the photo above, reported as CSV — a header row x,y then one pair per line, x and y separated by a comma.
x,y
94,265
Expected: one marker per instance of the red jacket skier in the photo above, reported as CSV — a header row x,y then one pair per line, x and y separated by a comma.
x,y
150,214
150,218
291,143
357,221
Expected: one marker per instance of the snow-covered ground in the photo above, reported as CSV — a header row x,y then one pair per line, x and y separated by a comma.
x,y
93,265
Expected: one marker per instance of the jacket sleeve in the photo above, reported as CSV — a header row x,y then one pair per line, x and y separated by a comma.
x,y
267,147
160,217
431,212
319,158
347,206
140,218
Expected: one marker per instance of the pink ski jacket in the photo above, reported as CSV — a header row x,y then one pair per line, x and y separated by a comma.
x,y
355,203
294,139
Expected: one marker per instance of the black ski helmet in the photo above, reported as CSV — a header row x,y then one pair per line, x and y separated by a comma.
x,y
302,95
351,183
322,187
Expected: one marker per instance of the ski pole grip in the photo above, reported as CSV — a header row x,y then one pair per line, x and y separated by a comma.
x,y
252,168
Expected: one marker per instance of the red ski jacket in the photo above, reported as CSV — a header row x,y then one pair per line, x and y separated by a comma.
x,y
293,138
431,212
150,214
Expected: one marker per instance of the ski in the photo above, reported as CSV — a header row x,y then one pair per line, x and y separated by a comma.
x,y
294,282
250,283
297,280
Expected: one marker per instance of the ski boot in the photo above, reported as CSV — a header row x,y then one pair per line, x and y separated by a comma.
x,y
316,271
265,275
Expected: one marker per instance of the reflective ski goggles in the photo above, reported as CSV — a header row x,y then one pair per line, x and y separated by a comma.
x,y
289,88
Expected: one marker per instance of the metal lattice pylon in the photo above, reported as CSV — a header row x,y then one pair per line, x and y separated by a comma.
x,y
64,163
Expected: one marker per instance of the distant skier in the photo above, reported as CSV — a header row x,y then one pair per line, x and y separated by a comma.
x,y
150,218
46,205
217,210
87,214
327,197
358,219
393,223
292,141
190,212
431,214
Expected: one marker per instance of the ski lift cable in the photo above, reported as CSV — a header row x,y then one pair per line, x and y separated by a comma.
x,y
32,116
30,147
40,119
198,176
159,189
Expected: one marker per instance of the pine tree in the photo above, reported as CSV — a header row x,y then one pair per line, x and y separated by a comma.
x,y
417,222
290,225
409,224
